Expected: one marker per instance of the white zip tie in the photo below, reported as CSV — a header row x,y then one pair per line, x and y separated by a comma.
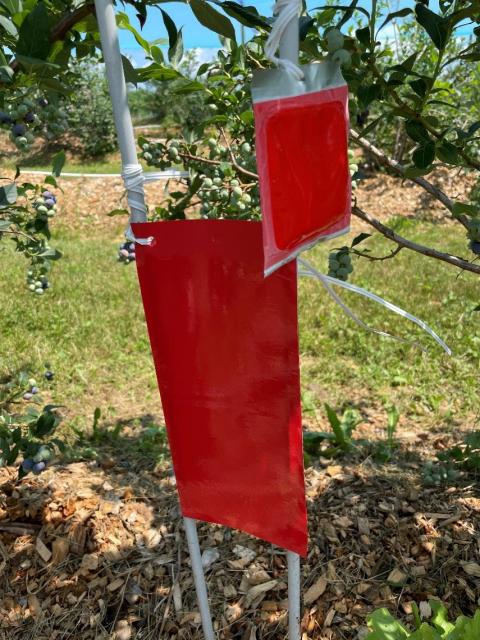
x,y
286,11
327,281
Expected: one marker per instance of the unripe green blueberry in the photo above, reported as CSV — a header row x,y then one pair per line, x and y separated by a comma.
x,y
212,142
344,258
222,149
237,191
241,206
207,183
39,291
32,287
247,198
21,141
335,40
234,182
246,148
342,57
145,147
42,209
148,156
342,273
51,213
217,181
32,382
224,194
174,143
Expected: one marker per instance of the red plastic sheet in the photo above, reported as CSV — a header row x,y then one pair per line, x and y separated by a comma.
x,y
302,160
225,346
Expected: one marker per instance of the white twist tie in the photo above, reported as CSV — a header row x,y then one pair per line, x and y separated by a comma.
x,y
133,180
285,11
327,281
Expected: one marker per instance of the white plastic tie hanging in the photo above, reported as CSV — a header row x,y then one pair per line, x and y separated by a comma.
x,y
285,11
328,281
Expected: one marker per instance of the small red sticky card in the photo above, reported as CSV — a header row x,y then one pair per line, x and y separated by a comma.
x,y
302,161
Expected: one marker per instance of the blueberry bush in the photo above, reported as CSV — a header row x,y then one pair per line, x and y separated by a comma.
x,y
414,83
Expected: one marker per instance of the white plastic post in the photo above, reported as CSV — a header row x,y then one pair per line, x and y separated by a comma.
x,y
199,577
293,563
118,93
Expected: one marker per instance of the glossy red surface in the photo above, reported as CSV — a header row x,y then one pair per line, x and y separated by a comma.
x,y
225,346
302,160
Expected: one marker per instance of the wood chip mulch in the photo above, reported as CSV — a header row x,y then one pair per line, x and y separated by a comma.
x,y
97,550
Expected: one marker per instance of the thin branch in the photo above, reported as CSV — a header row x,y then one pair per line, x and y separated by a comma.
x,y
234,160
69,20
414,246
17,232
390,255
386,161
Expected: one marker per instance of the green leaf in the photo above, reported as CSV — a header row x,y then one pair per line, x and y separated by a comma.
x,y
363,36
417,131
384,624
12,6
50,254
368,93
212,19
407,65
8,194
9,26
58,162
462,208
129,71
188,86
123,22
395,14
34,34
419,86
437,27
440,617
360,238
424,155
175,39
46,423
118,212
246,15
4,225
447,152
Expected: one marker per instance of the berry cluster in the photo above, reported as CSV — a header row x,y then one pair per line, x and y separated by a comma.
x,y
340,264
335,41
126,252
32,389
39,461
437,474
353,166
473,234
25,116
221,188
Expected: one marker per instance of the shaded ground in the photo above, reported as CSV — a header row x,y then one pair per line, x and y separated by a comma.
x,y
97,550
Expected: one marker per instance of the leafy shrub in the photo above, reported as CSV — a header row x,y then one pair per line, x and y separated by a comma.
x,y
89,111
339,440
27,433
383,626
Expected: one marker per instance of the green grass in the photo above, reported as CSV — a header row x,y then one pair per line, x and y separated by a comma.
x,y
90,329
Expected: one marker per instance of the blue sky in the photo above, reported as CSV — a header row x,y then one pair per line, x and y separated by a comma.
x,y
198,37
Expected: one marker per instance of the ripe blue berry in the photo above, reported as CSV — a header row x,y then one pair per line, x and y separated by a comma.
x,y
29,117
18,130
49,375
43,102
5,118
27,464
49,202
34,390
27,396
38,467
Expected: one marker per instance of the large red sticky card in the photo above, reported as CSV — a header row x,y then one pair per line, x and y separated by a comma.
x,y
225,346
302,159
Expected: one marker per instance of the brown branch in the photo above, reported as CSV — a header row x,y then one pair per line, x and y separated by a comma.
x,y
390,163
69,20
414,246
240,169
392,254
234,160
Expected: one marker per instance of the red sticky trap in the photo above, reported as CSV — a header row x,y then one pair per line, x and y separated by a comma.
x,y
225,345
302,159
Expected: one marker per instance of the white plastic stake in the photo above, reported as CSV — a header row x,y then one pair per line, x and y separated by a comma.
x,y
118,90
293,563
199,577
